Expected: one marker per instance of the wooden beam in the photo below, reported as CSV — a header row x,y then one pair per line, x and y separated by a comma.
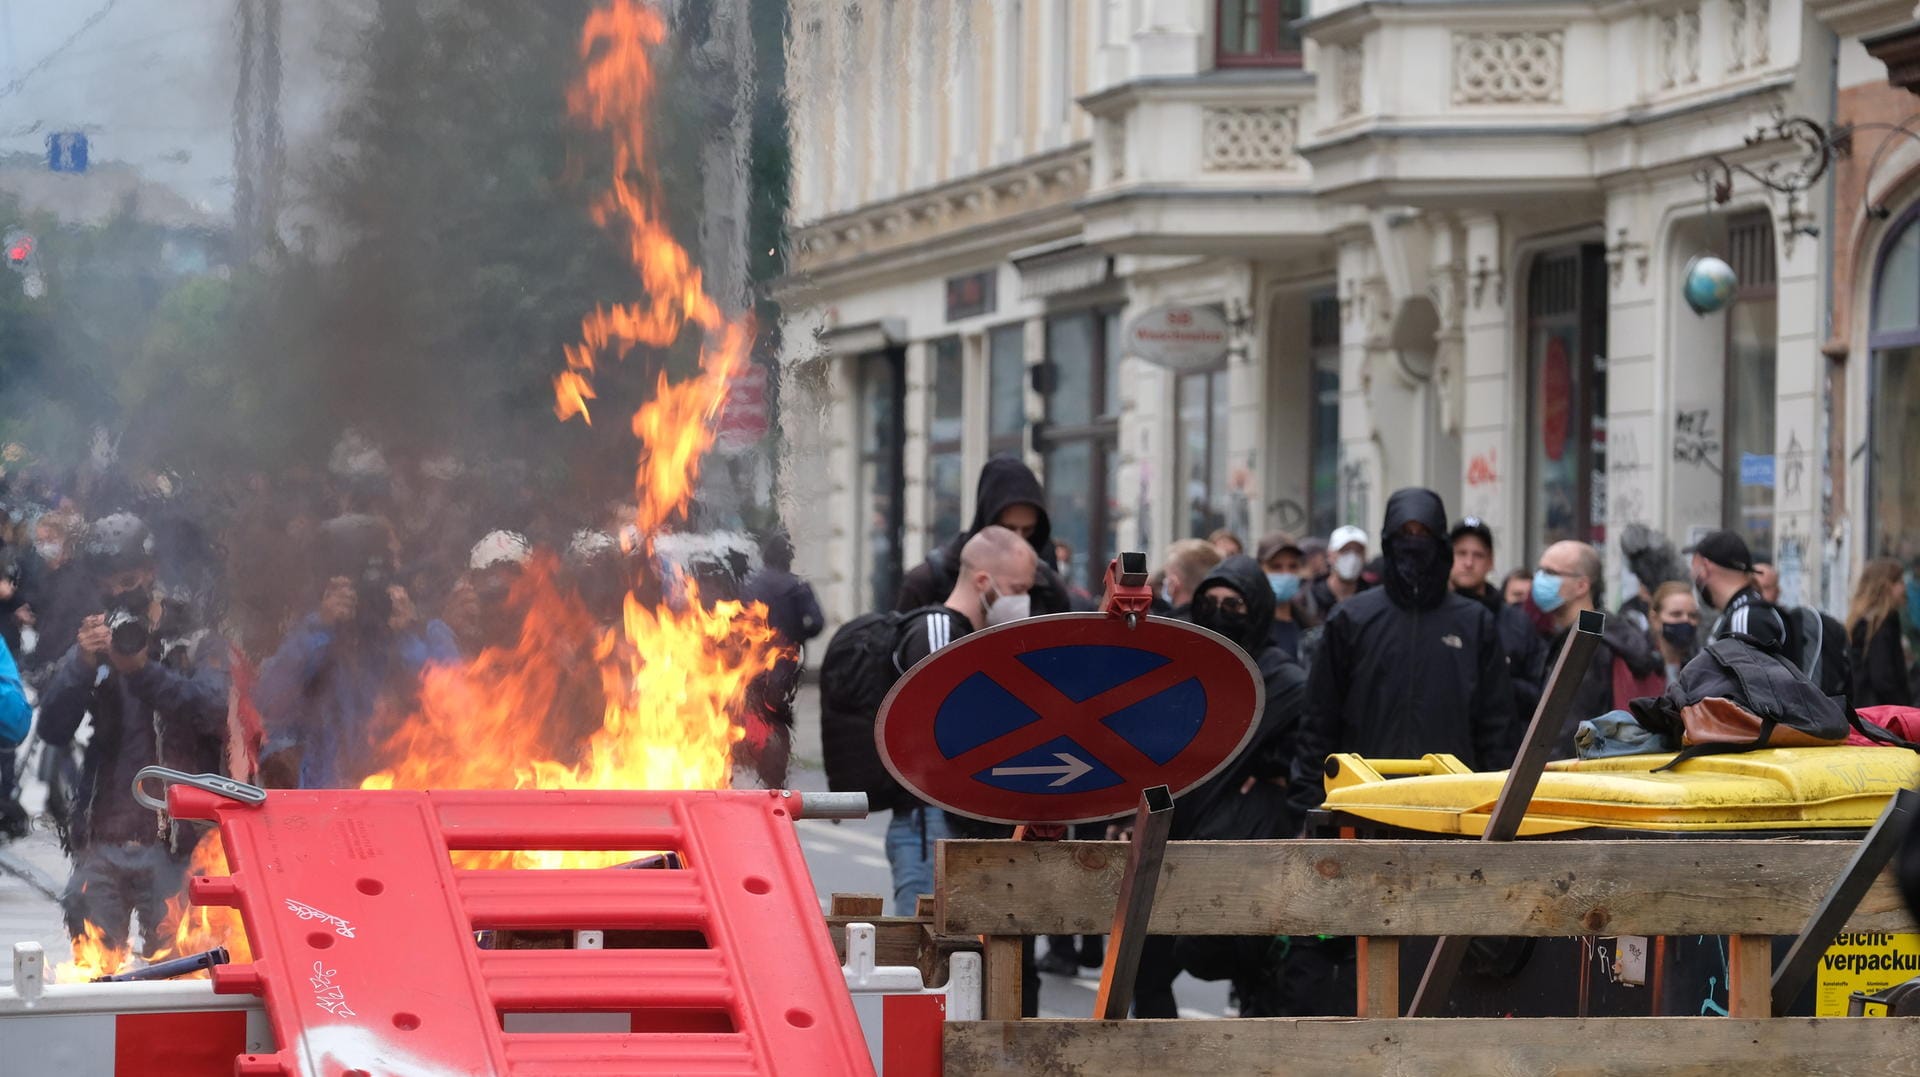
x,y
1379,968
1750,976
1403,888
1002,975
1695,1046
852,905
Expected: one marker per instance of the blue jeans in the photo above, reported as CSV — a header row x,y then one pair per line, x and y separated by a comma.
x,y
910,840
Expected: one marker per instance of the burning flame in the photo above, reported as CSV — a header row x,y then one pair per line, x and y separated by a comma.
x,y
192,929
671,678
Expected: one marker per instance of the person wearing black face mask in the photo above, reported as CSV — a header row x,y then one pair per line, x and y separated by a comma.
x,y
1407,668
128,860
1676,626
1246,801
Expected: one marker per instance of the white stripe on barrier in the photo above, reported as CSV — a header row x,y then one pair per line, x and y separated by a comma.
x,y
866,979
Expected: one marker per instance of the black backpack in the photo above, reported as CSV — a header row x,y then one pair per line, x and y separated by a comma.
x,y
861,665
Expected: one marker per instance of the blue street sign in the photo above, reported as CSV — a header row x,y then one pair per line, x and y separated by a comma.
x,y
1756,469
67,151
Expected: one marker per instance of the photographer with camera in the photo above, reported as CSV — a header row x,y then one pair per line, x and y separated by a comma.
x,y
154,697
357,656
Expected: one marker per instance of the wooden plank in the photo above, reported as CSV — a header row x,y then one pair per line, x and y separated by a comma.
x,y
1424,888
857,905
1611,1046
1002,974
1750,976
1379,969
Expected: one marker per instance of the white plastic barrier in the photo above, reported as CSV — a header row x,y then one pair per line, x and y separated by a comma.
x,y
899,1013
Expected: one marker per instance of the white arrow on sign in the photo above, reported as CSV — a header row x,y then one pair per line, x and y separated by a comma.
x,y
1072,767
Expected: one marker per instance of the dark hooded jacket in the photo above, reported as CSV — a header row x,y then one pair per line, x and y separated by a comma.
x,y
1217,808
1409,667
1004,481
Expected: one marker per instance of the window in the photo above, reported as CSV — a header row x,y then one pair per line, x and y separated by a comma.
x,y
944,463
1258,33
1080,442
1323,447
1750,470
1007,389
1893,408
882,488
1200,464
1566,347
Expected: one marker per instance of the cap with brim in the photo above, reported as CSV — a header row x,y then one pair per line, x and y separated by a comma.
x,y
1346,536
1475,526
1724,548
1275,543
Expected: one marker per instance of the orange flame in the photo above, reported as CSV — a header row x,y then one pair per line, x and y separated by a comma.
x,y
670,679
191,929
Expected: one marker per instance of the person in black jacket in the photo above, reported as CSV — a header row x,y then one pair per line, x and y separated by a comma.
x,y
1526,650
1008,495
1873,631
1407,668
1247,800
793,612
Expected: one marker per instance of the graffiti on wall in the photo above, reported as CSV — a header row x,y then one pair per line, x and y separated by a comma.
x,y
1484,468
1625,479
1695,442
1287,515
1790,559
1356,489
1793,471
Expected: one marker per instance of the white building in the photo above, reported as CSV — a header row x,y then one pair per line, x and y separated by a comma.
x,y
1449,237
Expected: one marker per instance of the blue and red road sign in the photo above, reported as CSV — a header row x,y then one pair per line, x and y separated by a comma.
x,y
1065,719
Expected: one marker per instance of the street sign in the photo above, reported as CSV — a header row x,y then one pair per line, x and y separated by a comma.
x,y
1179,337
67,151
1065,719
743,418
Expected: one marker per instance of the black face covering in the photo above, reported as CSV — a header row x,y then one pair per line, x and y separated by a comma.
x,y
1416,571
1208,615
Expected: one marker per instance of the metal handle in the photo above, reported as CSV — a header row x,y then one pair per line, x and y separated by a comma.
x,y
212,783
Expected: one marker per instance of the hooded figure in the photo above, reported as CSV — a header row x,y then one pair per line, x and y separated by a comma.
x,y
1217,808
1005,484
1407,668
1247,800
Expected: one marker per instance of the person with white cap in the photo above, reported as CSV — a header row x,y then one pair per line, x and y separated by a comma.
x,y
1347,548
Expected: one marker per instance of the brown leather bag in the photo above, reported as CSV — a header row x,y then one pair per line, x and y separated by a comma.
x,y
1716,720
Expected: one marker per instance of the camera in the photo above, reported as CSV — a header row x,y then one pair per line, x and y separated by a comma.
x,y
129,630
375,605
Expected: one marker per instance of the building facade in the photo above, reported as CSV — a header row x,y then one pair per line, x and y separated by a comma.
x,y
1448,238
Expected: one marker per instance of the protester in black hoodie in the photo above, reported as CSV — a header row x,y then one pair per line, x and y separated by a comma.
x,y
1247,800
1407,668
1010,496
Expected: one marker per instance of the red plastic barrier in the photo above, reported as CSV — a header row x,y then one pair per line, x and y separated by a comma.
x,y
365,956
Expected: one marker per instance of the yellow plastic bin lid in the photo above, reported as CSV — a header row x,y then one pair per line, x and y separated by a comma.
x,y
1843,787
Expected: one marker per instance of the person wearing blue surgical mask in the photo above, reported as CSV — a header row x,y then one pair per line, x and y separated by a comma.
x,y
1285,565
1625,664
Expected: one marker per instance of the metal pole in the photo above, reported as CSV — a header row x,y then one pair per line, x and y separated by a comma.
x,y
1548,719
830,805
1151,824
1876,850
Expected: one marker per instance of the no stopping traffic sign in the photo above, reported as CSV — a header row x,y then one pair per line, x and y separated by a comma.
x,y
1065,719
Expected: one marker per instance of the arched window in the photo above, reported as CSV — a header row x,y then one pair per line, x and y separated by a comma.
x,y
1893,407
